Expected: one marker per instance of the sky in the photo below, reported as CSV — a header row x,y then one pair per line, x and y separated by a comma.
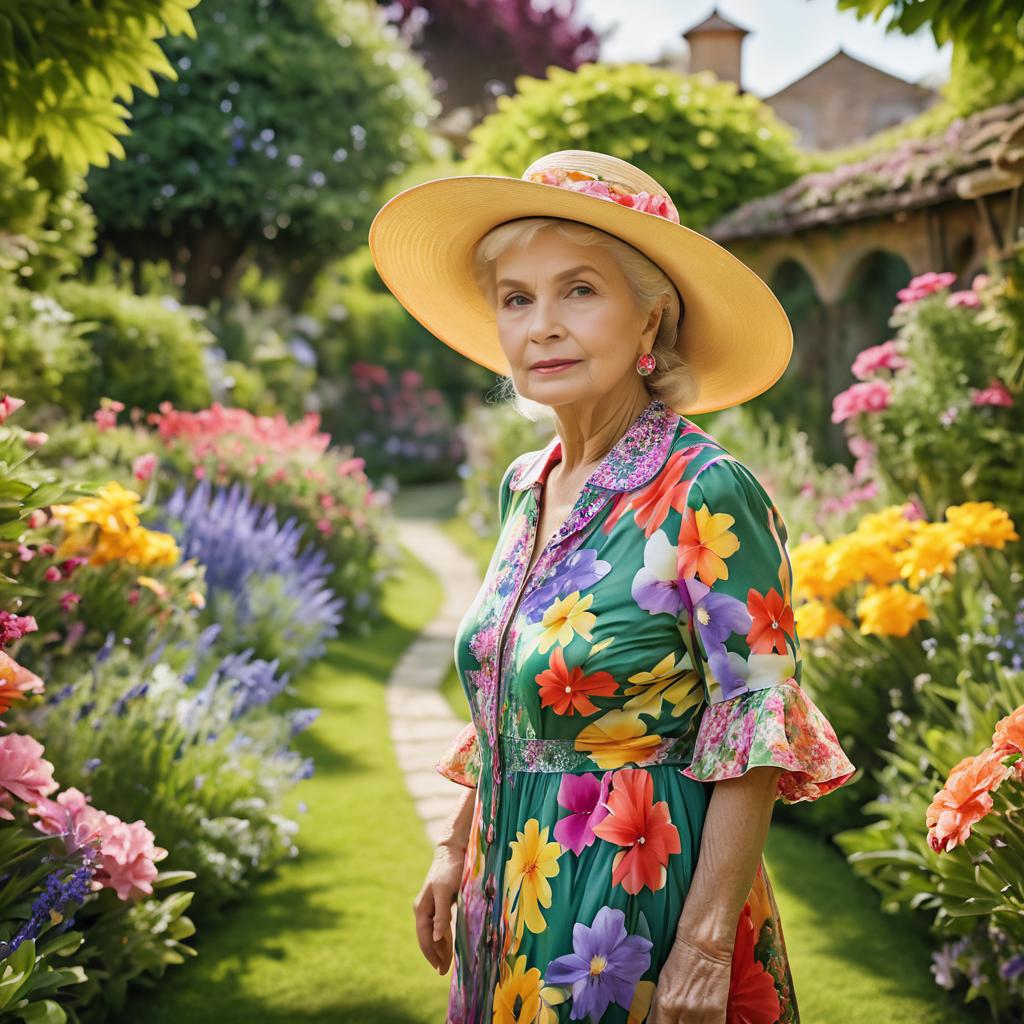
x,y
787,37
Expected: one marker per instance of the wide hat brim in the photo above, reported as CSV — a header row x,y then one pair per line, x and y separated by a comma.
x,y
735,333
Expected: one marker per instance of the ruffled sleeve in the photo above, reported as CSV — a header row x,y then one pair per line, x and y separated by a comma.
x,y
461,761
735,581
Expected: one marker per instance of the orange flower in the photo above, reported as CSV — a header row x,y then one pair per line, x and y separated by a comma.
x,y
773,622
965,799
566,690
15,682
651,503
1009,737
704,544
643,827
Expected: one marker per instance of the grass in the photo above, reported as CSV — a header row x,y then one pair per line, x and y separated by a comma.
x,y
329,939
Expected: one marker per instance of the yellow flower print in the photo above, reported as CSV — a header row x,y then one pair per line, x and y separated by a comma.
x,y
532,862
617,738
565,618
676,683
643,995
517,997
890,611
704,543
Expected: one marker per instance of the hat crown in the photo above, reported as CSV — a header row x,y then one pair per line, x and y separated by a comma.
x,y
603,176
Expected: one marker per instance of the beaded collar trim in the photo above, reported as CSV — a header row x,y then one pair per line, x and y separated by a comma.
x,y
633,460
591,184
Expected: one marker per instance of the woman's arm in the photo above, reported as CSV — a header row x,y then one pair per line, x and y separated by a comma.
x,y
693,987
455,833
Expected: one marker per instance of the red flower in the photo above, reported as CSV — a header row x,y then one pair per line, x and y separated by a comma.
x,y
752,995
773,622
643,827
566,690
651,503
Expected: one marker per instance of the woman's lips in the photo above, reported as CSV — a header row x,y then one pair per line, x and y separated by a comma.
x,y
555,367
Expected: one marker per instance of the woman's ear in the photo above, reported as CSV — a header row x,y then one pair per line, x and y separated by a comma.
x,y
654,319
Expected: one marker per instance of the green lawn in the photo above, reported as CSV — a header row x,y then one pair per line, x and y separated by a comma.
x,y
330,938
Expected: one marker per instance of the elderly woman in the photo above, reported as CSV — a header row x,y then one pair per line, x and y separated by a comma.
x,y
631,661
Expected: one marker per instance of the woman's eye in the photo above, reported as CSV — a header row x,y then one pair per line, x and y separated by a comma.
x,y
586,286
509,302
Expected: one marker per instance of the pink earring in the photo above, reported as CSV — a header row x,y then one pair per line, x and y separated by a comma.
x,y
645,364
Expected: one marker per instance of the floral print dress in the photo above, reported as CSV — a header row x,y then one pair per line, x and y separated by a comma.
x,y
650,652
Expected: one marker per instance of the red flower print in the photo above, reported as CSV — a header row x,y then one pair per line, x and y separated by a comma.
x,y
752,995
651,503
642,827
566,690
773,622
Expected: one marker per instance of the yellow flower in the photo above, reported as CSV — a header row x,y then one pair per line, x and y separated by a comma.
x,y
155,585
643,995
815,619
889,523
564,618
517,996
890,611
678,684
616,738
532,862
981,522
932,550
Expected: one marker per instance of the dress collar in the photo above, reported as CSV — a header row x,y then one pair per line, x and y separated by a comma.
x,y
632,461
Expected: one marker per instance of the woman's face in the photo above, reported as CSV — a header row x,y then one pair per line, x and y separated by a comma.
x,y
568,322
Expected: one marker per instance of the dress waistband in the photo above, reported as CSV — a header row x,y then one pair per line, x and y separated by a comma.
x,y
520,754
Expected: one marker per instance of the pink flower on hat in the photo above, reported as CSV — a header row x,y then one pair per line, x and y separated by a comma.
x,y
579,181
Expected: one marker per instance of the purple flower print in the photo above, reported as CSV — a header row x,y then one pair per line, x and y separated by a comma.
x,y
604,967
657,587
586,797
580,570
717,617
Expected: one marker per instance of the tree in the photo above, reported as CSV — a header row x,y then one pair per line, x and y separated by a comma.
x,y
286,120
476,48
983,28
64,66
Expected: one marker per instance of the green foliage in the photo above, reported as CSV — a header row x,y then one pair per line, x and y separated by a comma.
x,y
68,68
977,883
47,231
283,121
953,353
147,349
494,435
45,357
981,26
710,147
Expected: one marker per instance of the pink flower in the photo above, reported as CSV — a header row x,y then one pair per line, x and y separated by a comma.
x,y
9,405
69,565
37,518
36,438
52,574
106,415
126,854
980,282
143,466
878,357
924,285
199,472
14,627
324,526
69,600
871,396
24,773
25,553
995,394
968,299
46,549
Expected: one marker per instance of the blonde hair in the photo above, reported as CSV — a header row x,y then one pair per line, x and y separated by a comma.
x,y
672,380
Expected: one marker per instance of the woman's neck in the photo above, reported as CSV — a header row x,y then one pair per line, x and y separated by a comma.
x,y
588,433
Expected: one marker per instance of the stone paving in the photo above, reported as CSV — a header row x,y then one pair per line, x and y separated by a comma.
x,y
422,720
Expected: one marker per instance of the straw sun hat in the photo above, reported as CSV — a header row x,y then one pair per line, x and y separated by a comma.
x,y
734,334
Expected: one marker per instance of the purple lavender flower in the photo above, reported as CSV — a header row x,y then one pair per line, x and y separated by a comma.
x,y
604,967
57,893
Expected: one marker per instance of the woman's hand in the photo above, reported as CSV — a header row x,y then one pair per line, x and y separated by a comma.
x,y
433,906
693,987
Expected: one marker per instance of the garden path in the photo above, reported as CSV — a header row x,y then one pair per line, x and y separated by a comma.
x,y
421,719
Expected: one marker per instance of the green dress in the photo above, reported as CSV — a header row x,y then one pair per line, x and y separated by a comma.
x,y
650,652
